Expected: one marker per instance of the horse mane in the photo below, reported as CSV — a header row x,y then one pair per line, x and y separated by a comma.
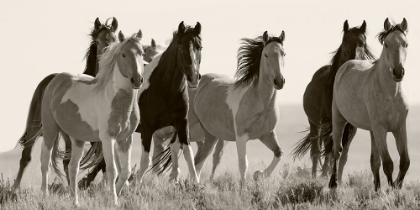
x,y
108,62
249,58
91,55
383,34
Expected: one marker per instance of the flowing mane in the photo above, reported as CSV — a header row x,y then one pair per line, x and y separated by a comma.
x,y
108,62
249,58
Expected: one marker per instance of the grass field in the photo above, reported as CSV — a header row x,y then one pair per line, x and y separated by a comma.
x,y
281,191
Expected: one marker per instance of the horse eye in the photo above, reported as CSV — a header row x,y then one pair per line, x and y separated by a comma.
x,y
386,45
266,55
406,45
123,55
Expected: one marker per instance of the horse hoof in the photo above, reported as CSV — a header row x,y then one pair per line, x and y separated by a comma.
x,y
258,175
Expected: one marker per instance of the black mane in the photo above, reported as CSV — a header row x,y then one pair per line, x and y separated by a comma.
x,y
249,58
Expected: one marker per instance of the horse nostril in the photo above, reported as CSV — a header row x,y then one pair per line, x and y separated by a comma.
x,y
394,72
199,76
141,79
402,72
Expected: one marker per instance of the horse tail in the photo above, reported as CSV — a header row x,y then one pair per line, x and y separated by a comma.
x,y
93,156
33,128
303,146
58,154
165,158
326,138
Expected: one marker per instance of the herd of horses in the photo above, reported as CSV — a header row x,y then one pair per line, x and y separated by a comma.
x,y
159,92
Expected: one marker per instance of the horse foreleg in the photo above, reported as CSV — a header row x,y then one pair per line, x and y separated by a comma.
x,y
401,140
24,161
375,162
73,170
175,149
379,134
146,140
124,149
183,132
270,140
204,151
108,145
217,155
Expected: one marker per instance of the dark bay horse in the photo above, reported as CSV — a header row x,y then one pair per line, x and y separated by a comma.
x,y
164,97
102,35
317,99
370,96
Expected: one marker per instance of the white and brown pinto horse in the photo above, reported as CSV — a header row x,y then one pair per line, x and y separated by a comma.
x,y
102,109
370,96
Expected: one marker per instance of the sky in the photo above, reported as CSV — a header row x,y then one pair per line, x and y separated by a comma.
x,y
43,37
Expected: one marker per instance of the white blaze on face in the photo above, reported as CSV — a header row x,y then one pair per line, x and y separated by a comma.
x,y
193,57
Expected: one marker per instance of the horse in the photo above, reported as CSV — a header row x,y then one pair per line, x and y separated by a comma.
x,y
245,108
164,97
317,100
370,96
102,35
102,108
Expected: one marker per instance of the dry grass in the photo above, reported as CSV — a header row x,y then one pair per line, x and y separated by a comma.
x,y
286,189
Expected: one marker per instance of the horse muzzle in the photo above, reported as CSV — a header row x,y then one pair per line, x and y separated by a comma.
x,y
279,83
136,82
193,82
398,75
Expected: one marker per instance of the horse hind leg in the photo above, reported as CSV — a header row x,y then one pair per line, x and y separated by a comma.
x,y
175,150
74,165
50,132
401,140
66,159
124,149
270,140
315,147
217,155
338,123
349,133
202,154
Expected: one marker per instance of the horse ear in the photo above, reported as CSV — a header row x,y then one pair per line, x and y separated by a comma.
x,y
363,27
404,25
282,36
346,26
387,25
181,27
197,28
139,34
97,24
114,24
265,37
153,44
121,36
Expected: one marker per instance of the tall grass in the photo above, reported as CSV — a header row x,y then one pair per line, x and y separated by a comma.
x,y
289,188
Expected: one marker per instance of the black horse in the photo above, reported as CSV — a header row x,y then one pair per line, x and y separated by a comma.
x,y
317,100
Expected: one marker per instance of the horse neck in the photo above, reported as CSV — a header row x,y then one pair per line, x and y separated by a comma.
x,y
335,65
383,77
264,90
172,78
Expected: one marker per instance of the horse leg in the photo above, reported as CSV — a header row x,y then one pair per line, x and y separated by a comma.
x,y
202,154
217,155
175,149
401,140
158,147
349,133
108,145
375,162
379,134
326,167
315,147
24,161
270,140
242,157
73,170
124,149
338,123
183,132
146,140
66,160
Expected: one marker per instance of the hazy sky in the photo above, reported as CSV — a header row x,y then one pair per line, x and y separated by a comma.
x,y
43,37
